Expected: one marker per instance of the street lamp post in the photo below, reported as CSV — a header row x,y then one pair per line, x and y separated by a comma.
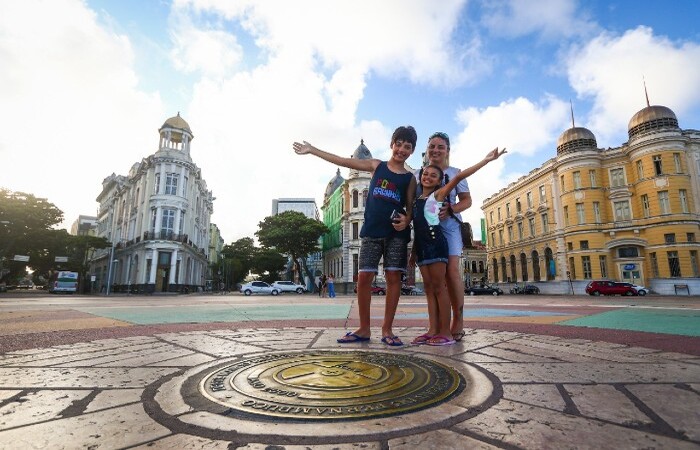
x,y
109,275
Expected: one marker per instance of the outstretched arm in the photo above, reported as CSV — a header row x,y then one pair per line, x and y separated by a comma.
x,y
365,165
494,154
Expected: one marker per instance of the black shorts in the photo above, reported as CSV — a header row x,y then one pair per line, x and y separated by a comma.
x,y
393,250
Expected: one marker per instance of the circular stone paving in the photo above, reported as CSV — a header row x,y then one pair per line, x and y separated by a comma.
x,y
320,396
330,385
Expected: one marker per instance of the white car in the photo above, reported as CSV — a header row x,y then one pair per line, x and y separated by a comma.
x,y
289,286
641,290
259,287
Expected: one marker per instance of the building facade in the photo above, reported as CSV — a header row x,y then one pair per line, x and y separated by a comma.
x,y
334,207
630,213
313,263
158,220
84,226
306,206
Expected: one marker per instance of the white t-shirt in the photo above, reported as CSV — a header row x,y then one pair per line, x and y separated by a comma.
x,y
462,186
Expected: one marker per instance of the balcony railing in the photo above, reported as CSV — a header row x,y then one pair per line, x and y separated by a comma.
x,y
165,236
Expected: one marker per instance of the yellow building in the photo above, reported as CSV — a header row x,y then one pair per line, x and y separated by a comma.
x,y
630,213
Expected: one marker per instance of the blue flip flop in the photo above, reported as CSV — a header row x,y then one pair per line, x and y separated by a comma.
x,y
351,337
392,341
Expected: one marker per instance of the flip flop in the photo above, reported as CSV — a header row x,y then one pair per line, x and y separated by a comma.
x,y
440,340
458,336
422,339
392,341
351,337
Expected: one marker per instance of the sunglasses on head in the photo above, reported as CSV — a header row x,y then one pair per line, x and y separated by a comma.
x,y
441,135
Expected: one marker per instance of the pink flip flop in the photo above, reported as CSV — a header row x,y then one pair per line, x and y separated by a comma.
x,y
422,339
440,340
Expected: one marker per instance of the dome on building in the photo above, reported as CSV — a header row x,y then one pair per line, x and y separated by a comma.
x,y
362,152
334,184
652,118
576,138
177,122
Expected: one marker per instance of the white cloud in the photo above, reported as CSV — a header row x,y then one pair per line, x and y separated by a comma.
x,y
609,69
313,62
72,110
521,126
551,19
213,52
395,38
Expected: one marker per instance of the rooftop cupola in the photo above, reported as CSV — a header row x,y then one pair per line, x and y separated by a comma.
x,y
175,134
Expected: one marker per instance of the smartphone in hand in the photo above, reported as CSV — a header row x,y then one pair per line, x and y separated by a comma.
x,y
395,216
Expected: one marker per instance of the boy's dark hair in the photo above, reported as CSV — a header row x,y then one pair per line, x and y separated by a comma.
x,y
405,134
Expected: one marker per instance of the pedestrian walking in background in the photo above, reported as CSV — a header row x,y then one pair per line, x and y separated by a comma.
x,y
330,283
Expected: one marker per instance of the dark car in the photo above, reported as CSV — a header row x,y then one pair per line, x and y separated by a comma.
x,y
483,290
531,289
605,287
411,290
527,289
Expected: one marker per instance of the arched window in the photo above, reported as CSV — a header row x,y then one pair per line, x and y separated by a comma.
x,y
504,269
535,266
354,198
364,198
523,266
473,266
549,264
495,270
513,275
481,267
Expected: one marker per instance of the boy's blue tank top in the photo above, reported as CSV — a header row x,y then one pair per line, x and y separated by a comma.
x,y
387,192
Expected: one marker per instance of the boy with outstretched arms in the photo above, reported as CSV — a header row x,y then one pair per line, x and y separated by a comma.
x,y
385,232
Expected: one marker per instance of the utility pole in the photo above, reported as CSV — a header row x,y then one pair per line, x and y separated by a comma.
x,y
111,262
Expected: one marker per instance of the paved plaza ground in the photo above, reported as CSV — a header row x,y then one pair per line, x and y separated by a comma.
x,y
537,372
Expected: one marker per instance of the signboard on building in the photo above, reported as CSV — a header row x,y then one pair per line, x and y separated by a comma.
x,y
23,258
61,259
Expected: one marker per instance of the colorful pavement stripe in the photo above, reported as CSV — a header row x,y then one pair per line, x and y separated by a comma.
x,y
653,320
22,322
220,313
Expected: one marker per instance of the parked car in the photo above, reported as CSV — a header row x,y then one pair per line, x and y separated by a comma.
x,y
527,289
605,287
483,290
411,290
289,286
258,287
641,290
376,290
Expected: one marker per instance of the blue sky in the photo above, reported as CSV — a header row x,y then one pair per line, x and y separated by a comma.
x,y
87,84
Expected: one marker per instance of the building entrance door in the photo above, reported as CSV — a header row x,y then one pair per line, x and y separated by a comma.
x,y
163,271
631,273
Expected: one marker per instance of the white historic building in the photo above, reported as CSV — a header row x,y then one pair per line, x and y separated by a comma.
x,y
158,220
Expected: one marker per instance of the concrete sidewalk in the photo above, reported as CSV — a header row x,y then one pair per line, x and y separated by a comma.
x,y
524,390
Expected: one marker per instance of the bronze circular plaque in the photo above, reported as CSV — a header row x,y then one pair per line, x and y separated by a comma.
x,y
330,385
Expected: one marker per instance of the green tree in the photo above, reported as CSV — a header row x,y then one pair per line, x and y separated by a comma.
x,y
268,263
237,260
78,250
26,229
291,233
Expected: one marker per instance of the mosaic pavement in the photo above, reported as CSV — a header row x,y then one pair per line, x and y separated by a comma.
x,y
524,391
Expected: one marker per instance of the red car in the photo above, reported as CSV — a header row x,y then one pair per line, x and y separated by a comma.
x,y
610,288
376,290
